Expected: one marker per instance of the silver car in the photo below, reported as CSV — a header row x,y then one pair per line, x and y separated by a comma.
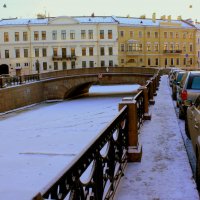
x,y
188,91
192,129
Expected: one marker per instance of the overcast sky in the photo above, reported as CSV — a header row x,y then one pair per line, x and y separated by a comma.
x,y
134,8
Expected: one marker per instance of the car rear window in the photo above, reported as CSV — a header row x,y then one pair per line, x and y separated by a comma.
x,y
194,83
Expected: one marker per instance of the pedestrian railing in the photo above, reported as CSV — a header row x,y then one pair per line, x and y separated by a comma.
x,y
105,158
18,80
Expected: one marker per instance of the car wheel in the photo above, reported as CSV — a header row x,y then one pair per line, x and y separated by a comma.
x,y
198,172
181,114
186,129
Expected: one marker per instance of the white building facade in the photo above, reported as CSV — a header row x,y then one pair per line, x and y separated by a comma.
x,y
29,46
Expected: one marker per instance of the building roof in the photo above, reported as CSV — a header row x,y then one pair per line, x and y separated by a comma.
x,y
149,22
123,21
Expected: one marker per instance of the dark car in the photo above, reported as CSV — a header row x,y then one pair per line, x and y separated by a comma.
x,y
192,129
188,91
176,82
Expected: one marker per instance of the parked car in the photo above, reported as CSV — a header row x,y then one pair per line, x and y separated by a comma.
x,y
173,75
192,129
176,82
188,91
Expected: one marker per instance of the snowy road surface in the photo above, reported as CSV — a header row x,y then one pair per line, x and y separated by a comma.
x,y
164,172
36,144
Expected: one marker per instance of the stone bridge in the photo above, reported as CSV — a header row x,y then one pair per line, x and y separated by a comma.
x,y
65,84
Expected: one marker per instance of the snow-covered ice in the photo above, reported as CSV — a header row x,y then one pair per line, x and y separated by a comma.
x,y
164,172
37,143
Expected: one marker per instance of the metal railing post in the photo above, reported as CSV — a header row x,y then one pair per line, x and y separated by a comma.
x,y
134,147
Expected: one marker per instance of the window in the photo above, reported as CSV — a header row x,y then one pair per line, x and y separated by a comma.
x,y
64,52
72,34
25,36
64,65
44,65
55,65
25,53
156,61
177,47
44,35
37,52
177,61
83,64
122,60
191,47
156,34
184,35
83,34
191,61
172,61
101,34
73,64
184,47
177,35
110,63
140,34
122,33
17,64
171,35
54,35
190,35
44,52
55,51
36,35
165,34
122,47
149,61
6,37
83,51
73,52
110,51
184,61
91,63
156,47
91,51
166,62
7,54
90,34
148,47
131,34
171,47
26,64
148,34
110,34
140,47
102,63
63,35
102,52
16,36
165,47
17,53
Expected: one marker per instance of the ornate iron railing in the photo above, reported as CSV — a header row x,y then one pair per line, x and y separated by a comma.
x,y
105,158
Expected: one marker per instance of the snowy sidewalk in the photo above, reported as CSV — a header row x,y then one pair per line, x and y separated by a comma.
x,y
164,172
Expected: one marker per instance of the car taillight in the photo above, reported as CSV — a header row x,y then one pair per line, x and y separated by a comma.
x,y
184,95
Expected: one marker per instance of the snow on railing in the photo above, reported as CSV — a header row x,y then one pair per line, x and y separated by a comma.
x,y
105,158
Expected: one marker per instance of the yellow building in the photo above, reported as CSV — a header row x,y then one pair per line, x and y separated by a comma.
x,y
156,42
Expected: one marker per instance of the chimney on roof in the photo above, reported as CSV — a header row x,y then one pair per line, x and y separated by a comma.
x,y
179,17
154,17
169,18
163,17
143,17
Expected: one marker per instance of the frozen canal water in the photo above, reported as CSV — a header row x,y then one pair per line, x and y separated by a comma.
x,y
37,143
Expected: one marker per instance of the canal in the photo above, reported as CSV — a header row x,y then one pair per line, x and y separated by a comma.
x,y
39,142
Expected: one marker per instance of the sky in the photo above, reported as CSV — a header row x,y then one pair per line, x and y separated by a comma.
x,y
134,8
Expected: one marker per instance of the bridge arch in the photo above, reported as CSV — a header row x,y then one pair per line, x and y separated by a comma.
x,y
4,69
